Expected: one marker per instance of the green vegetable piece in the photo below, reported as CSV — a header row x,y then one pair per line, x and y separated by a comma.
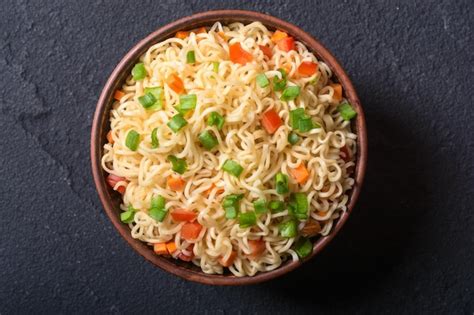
x,y
293,138
346,111
288,228
262,80
158,214
155,143
276,206
139,72
178,165
247,219
208,139
190,57
157,93
177,122
216,119
232,168
133,140
281,181
128,216
187,103
231,205
290,93
260,206
303,247
280,84
215,66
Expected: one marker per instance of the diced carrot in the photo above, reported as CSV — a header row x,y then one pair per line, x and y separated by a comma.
x,y
286,44
300,174
180,214
345,153
110,139
222,35
278,35
257,247
175,83
171,247
308,68
182,34
160,248
267,51
190,231
118,95
176,183
239,55
271,121
200,30
311,228
337,96
229,261
206,193
112,180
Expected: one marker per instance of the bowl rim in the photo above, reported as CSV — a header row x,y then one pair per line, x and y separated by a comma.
x,y
100,126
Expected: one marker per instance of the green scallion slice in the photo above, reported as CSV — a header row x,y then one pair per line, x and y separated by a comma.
x,y
276,206
157,92
215,66
281,183
346,111
157,209
247,219
139,72
133,140
190,57
147,100
128,216
288,228
215,119
155,143
208,139
303,247
260,206
231,205
279,84
290,93
295,117
262,80
187,103
301,206
177,122
178,165
232,168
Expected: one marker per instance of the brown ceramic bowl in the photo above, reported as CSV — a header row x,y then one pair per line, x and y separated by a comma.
x,y
100,126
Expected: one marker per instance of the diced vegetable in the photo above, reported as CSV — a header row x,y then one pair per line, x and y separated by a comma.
x,y
208,192
257,247
157,92
171,247
175,83
306,124
110,138
176,183
280,84
112,180
155,143
190,231
139,72
299,120
346,111
260,206
191,57
300,174
308,68
178,165
147,100
118,95
278,35
293,138
157,209
281,183
262,80
345,153
231,205
290,93
288,228
160,249
133,140
180,215
300,205
303,247
184,257
337,96
158,202
200,30
311,228
239,55
286,44
232,168
227,262
128,216
247,219
182,34
276,206
215,119
208,139
267,51
177,122
187,103
271,121
222,35
215,66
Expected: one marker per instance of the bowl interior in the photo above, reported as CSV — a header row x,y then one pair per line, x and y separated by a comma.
x,y
111,200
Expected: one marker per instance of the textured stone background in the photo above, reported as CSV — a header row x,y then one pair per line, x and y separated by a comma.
x,y
408,248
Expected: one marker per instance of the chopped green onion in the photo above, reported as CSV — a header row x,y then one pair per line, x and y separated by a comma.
x,y
208,139
301,121
290,93
139,72
190,57
295,117
346,111
232,168
158,210
147,100
305,124
281,183
215,66
158,202
157,92
276,206
132,140
231,205
215,119
260,206
247,219
154,139
178,165
303,247
187,103
177,122
128,216
301,206
293,138
279,84
262,80
288,228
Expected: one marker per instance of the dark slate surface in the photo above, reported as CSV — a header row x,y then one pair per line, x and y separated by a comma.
x,y
408,248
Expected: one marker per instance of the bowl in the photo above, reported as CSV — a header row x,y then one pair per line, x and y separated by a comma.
x,y
100,126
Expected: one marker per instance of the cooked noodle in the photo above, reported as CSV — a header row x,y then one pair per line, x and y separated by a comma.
x,y
234,93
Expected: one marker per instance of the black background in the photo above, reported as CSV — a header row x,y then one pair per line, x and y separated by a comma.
x,y
408,247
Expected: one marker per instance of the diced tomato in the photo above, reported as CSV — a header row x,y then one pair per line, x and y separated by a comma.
x,y
180,214
267,51
118,95
239,55
271,121
257,247
229,261
182,34
175,83
308,68
286,44
345,154
337,96
278,35
190,231
112,180
176,183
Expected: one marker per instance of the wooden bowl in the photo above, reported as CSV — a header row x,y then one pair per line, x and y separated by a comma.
x,y
100,126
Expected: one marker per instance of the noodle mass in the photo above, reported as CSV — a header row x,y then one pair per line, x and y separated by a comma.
x,y
232,148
